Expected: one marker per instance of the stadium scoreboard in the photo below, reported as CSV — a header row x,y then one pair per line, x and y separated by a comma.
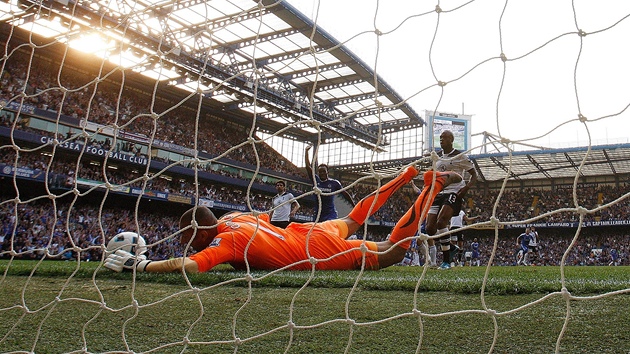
x,y
438,122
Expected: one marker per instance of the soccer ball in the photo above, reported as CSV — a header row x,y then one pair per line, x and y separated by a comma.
x,y
128,241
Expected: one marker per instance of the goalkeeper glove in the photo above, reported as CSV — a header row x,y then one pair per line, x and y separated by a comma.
x,y
121,260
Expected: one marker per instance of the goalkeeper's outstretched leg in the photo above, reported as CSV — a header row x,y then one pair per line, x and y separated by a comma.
x,y
407,226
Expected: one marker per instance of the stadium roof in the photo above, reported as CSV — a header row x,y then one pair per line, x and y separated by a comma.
x,y
250,59
264,62
599,160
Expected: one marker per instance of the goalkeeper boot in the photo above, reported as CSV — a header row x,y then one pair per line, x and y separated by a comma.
x,y
445,266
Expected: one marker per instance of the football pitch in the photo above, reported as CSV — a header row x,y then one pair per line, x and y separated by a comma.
x,y
60,307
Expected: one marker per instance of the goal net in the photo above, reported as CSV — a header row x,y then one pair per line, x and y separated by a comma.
x,y
121,115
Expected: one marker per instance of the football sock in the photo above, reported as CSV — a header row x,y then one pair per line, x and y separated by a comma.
x,y
364,207
445,245
433,254
407,226
445,241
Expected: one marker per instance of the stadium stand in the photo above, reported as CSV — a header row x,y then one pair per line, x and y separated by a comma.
x,y
225,183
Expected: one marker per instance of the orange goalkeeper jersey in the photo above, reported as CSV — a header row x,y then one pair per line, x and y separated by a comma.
x,y
243,236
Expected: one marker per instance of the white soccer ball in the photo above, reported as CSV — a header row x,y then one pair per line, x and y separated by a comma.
x,y
128,241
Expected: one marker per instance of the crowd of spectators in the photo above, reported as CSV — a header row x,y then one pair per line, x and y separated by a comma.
x,y
67,231
38,229
42,84
76,95
593,247
515,204
106,104
66,167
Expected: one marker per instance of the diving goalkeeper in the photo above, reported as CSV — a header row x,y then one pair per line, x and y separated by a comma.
x,y
246,240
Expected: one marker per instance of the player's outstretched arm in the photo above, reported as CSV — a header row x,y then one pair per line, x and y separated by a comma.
x,y
307,162
122,260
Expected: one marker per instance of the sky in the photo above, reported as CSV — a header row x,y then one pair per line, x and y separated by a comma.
x,y
550,77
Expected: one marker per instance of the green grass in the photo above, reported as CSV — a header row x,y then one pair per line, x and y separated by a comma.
x,y
395,310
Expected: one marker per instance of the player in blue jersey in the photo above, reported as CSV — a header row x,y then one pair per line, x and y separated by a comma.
x,y
474,257
614,257
522,241
326,185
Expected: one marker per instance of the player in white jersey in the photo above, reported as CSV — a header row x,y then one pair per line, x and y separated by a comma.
x,y
285,206
457,236
533,244
449,201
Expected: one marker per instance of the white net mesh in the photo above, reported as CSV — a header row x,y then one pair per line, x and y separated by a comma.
x,y
129,141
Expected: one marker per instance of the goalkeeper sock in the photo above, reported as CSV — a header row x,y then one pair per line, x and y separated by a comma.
x,y
364,207
407,226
